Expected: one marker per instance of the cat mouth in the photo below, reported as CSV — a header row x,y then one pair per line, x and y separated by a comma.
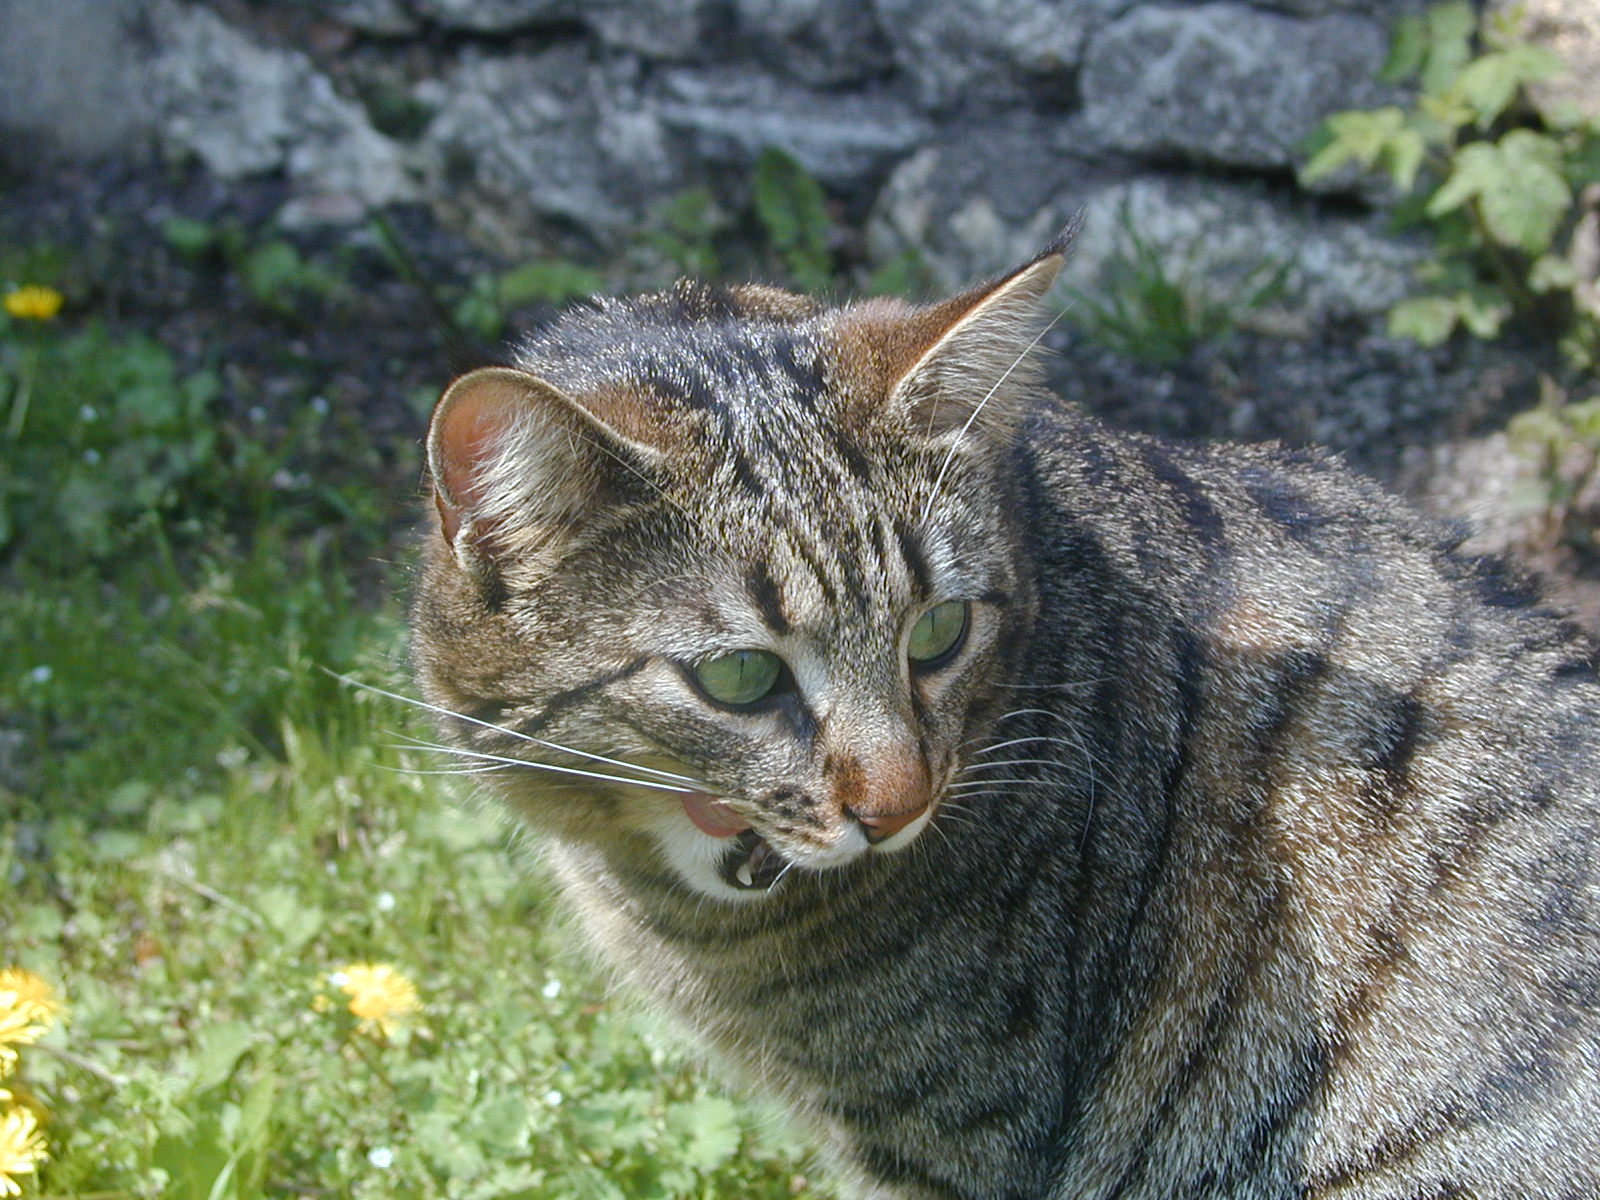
x,y
750,863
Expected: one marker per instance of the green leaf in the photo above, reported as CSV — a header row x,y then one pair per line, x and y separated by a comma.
x,y
1526,202
1427,320
1518,185
295,921
1408,46
1405,154
709,1129
1583,161
1483,311
1476,168
1553,273
1490,83
218,1049
792,207
1361,135
1450,30
553,282
189,236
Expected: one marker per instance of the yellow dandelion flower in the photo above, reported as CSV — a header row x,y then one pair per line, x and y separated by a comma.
x,y
33,302
27,1007
22,1149
30,991
380,996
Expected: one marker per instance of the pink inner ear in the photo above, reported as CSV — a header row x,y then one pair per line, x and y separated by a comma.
x,y
464,440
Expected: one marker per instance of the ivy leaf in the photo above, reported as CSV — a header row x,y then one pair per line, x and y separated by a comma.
x,y
1450,29
1408,47
1362,136
1405,156
1483,311
1519,187
1426,320
1476,167
1552,273
1526,203
1489,84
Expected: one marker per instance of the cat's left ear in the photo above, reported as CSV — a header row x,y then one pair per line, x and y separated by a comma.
x,y
973,353
516,462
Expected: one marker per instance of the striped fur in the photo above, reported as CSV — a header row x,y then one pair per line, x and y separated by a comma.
x,y
1260,862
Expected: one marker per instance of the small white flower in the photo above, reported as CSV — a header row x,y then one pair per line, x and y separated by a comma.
x,y
338,979
553,1097
88,413
258,414
384,901
41,674
381,1157
552,989
91,456
319,405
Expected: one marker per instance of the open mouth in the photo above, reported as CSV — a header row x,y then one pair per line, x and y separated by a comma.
x,y
751,864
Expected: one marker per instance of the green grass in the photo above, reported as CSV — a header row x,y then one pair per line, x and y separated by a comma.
x,y
199,824
192,937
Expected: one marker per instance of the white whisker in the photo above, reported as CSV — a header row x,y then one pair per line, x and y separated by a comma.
x,y
1012,762
526,737
480,756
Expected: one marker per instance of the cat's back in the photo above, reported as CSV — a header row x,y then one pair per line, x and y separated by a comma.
x,y
1376,791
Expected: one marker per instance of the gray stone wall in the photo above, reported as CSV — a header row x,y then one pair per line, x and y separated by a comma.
x,y
963,132
967,130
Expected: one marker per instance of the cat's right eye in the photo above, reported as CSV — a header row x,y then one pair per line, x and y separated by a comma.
x,y
740,678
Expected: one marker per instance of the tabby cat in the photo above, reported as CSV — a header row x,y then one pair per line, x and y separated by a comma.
x,y
1040,810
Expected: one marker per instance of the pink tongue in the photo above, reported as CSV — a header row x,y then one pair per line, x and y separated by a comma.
x,y
712,816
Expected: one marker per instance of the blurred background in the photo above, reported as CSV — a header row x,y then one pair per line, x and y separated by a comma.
x,y
244,244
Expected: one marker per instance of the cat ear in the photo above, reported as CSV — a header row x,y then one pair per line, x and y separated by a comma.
x,y
974,351
516,462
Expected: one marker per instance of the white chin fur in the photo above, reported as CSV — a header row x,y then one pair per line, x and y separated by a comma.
x,y
696,855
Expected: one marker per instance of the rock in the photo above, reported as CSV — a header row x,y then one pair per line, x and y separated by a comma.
x,y
1380,10
491,16
962,53
728,115
246,109
1225,241
551,142
820,42
386,18
1570,28
1224,83
72,74
670,30
979,197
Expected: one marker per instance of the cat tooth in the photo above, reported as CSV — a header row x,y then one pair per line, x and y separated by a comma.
x,y
744,876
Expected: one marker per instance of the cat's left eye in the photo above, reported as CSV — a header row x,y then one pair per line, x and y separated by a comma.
x,y
938,634
741,678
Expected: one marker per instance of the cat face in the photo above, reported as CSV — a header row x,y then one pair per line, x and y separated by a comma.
x,y
725,581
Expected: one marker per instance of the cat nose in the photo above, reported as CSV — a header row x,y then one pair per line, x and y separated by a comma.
x,y
898,791
880,828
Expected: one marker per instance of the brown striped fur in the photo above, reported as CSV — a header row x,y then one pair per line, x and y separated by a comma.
x,y
1261,858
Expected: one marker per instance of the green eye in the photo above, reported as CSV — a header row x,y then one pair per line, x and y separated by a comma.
x,y
937,633
739,678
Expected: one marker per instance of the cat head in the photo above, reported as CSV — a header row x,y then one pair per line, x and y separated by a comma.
x,y
735,574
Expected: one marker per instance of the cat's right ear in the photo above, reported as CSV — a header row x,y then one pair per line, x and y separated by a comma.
x,y
516,463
